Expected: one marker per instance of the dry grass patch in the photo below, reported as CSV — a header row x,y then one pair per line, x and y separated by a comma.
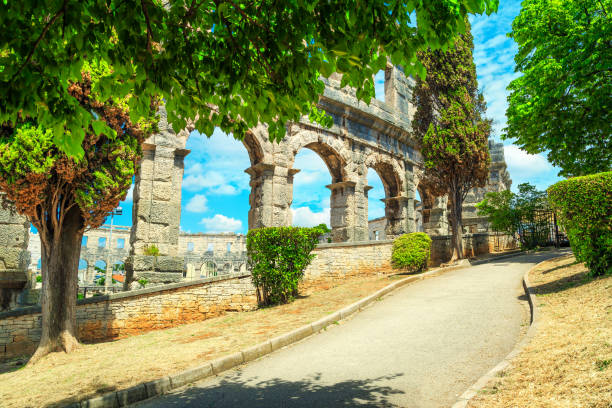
x,y
569,361
98,368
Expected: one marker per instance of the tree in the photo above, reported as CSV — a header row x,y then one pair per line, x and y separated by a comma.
x,y
62,195
521,215
227,64
561,104
453,132
70,142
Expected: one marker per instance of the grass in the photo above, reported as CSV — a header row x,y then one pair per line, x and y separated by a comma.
x,y
568,363
98,368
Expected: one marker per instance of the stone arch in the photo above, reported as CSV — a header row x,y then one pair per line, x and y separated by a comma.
x,y
329,148
253,147
390,173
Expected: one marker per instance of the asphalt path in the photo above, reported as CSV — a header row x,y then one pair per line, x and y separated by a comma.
x,y
421,346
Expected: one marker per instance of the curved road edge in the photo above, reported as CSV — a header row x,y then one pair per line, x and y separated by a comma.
x,y
465,398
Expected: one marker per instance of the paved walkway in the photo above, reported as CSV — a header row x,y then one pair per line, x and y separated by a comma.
x,y
421,346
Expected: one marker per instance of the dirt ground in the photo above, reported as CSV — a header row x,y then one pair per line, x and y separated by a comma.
x,y
569,361
98,368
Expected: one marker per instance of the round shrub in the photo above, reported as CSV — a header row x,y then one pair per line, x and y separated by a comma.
x,y
411,252
584,207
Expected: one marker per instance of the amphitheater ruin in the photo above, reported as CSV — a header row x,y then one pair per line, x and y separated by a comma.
x,y
376,136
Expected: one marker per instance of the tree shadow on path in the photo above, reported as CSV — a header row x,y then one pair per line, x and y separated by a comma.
x,y
236,391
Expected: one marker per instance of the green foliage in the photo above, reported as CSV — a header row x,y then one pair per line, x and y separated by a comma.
x,y
278,257
101,281
323,229
39,278
584,207
561,104
521,215
143,282
450,123
151,250
232,64
411,252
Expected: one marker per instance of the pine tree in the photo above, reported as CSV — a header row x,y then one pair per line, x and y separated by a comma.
x,y
450,124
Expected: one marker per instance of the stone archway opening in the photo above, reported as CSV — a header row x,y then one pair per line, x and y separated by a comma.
x,y
315,198
395,219
375,193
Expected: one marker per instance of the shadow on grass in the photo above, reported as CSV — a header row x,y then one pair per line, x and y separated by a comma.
x,y
556,268
236,391
563,284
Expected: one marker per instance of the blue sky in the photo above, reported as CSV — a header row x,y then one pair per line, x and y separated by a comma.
x,y
215,194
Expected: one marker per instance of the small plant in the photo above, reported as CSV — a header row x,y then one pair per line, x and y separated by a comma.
x,y
143,282
278,257
151,250
39,278
411,252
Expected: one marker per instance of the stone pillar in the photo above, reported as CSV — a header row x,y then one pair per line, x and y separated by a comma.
x,y
271,195
156,215
396,212
14,255
348,221
398,91
435,222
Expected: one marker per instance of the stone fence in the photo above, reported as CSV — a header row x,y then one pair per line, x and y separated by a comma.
x,y
124,314
129,313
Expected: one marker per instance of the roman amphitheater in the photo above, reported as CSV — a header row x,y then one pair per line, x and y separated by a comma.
x,y
362,136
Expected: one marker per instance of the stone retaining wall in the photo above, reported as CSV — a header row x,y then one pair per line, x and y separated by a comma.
x,y
337,261
129,313
473,245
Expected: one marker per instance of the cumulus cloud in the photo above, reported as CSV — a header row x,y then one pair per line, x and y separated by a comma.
x,y
197,204
216,165
221,223
529,168
305,217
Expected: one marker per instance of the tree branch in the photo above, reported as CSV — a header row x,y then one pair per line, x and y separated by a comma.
x,y
40,38
149,34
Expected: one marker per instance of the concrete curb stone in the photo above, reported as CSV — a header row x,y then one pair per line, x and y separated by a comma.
x,y
163,385
465,398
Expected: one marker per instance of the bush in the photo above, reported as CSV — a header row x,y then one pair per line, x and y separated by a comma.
x,y
278,257
411,252
151,250
39,278
584,207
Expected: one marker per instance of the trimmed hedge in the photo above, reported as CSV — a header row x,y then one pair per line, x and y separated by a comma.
x,y
584,207
278,257
411,252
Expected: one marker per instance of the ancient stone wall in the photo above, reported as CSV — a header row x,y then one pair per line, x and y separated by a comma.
x,y
129,313
14,257
473,245
337,261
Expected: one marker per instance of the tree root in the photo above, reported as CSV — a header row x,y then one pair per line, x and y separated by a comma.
x,y
65,342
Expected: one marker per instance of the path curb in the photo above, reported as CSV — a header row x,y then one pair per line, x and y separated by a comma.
x,y
143,391
465,398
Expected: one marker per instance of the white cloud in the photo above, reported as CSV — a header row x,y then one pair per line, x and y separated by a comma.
x,y
221,223
197,204
305,217
520,161
130,195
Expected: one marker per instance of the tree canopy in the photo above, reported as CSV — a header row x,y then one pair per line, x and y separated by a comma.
x,y
228,64
450,123
562,102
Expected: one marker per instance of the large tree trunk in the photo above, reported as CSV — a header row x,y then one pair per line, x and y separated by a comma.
x,y
456,213
60,264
